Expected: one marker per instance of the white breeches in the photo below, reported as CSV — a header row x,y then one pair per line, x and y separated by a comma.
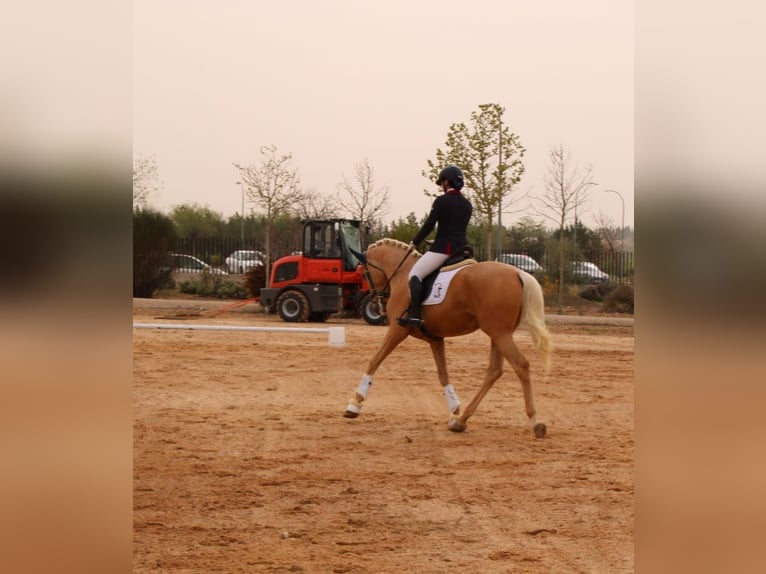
x,y
428,262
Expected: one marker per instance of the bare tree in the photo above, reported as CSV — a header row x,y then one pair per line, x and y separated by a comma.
x,y
607,231
314,205
273,186
146,183
360,199
566,189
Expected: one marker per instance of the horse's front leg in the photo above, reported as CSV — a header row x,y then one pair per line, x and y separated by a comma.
x,y
453,402
395,335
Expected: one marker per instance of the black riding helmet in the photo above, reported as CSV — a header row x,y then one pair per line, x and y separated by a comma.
x,y
452,175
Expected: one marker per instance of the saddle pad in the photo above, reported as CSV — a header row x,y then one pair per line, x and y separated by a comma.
x,y
441,283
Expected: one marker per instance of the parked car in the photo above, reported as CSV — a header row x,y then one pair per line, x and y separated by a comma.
x,y
523,262
243,261
182,263
587,272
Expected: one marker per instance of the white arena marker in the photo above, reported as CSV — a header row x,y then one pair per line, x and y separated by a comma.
x,y
336,335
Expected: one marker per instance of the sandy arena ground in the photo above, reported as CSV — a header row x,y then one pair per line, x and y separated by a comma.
x,y
243,462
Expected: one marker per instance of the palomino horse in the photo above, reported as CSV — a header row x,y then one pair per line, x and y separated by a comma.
x,y
490,296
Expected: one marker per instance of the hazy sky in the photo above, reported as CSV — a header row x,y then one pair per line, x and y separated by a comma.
x,y
337,81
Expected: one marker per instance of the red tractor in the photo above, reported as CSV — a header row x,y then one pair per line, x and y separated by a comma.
x,y
325,278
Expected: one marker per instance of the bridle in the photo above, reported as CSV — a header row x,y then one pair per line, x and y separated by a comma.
x,y
385,293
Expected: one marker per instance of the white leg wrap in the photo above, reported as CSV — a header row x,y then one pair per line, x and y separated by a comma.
x,y
364,386
452,401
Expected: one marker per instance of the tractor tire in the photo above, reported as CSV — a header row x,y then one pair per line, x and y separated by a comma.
x,y
293,307
319,317
371,312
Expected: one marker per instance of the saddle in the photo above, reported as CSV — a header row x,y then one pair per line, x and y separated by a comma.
x,y
462,256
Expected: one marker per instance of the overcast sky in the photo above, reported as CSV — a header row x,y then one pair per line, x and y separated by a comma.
x,y
337,81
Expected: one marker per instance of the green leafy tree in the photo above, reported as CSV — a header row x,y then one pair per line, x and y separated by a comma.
x,y
273,186
154,236
490,157
404,229
196,226
584,239
529,237
195,221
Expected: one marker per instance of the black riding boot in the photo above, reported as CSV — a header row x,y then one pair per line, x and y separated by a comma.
x,y
413,315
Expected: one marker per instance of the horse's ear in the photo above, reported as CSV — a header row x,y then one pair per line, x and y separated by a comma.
x,y
360,256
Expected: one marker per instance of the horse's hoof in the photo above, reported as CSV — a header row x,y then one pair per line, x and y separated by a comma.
x,y
455,425
350,414
540,430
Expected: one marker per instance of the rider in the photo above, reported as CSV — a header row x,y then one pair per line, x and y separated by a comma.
x,y
451,211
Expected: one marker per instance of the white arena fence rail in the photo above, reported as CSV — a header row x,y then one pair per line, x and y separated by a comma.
x,y
336,336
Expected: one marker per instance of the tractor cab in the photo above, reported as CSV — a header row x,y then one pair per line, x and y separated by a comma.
x,y
327,249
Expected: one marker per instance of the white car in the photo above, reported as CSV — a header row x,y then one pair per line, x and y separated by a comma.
x,y
244,260
182,263
523,262
587,272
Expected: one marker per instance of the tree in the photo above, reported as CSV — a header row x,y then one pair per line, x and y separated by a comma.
x,y
610,234
361,200
405,229
196,221
314,205
146,182
274,187
490,157
528,237
566,189
154,236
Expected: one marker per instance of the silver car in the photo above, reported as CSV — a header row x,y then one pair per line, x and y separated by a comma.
x,y
244,260
523,262
587,272
182,263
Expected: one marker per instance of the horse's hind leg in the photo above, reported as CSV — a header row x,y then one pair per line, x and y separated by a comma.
x,y
494,371
519,362
394,336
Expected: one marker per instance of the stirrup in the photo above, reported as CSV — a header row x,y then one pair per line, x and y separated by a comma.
x,y
411,322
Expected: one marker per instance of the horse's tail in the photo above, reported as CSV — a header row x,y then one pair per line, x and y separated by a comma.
x,y
533,311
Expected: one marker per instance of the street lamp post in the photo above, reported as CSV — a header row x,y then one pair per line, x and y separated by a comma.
x,y
242,218
622,229
622,232
500,202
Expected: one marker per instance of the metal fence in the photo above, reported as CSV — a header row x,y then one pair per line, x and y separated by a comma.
x,y
619,265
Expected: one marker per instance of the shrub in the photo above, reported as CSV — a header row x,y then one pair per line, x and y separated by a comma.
x,y
232,290
619,299
596,292
153,237
205,288
255,279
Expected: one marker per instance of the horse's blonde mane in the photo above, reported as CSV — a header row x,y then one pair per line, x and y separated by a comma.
x,y
393,243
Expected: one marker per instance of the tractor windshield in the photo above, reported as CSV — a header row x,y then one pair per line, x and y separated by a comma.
x,y
352,239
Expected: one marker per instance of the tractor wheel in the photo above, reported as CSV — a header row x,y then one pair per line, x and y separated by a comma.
x,y
293,307
319,317
371,310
